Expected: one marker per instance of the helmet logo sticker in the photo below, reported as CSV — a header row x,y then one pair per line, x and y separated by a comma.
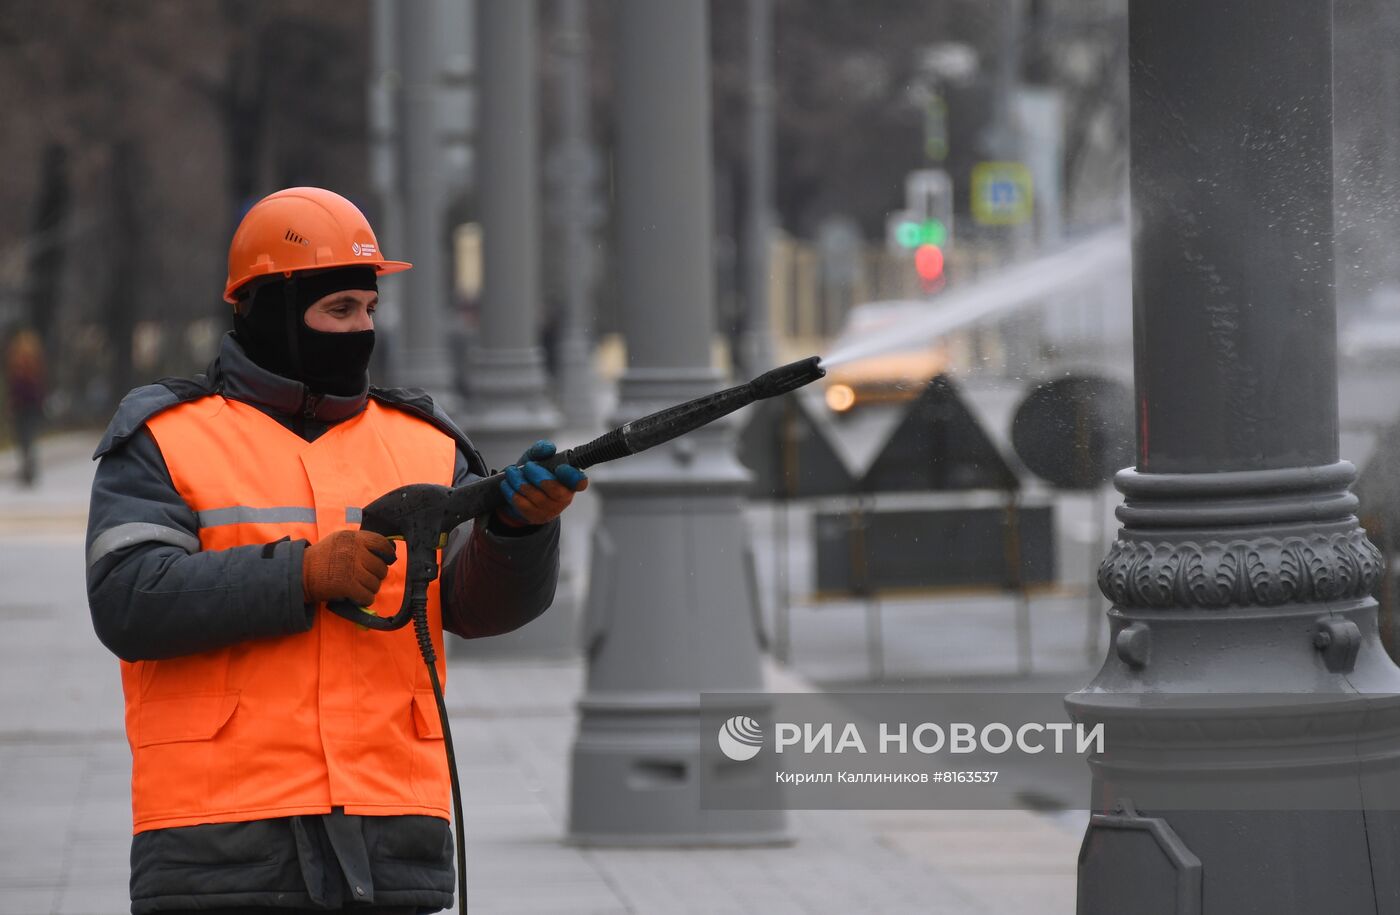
x,y
296,238
362,250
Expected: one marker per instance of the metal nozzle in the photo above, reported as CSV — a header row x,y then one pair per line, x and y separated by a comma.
x,y
788,377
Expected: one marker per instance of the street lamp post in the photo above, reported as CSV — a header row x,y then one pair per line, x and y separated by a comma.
x,y
670,611
422,357
507,404
381,103
578,383
508,409
1240,576
756,341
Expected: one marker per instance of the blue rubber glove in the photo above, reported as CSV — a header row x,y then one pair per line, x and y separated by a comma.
x,y
533,494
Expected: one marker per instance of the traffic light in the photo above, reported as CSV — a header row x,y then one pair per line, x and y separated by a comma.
x,y
926,239
925,227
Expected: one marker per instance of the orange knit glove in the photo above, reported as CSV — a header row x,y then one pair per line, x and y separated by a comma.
x,y
350,564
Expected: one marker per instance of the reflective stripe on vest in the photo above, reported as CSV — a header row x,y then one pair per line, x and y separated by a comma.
x,y
337,716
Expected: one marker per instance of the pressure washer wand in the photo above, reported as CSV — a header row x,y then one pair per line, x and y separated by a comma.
x,y
483,496
421,513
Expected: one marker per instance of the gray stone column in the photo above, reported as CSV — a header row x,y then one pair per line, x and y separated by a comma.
x,y
383,101
508,408
756,341
670,610
422,356
1244,658
507,404
578,382
456,51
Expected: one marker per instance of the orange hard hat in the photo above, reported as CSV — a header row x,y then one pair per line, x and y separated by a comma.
x,y
302,228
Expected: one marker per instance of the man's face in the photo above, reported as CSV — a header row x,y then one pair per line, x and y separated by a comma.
x,y
344,311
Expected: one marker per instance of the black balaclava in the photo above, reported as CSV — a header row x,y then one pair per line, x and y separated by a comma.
x,y
273,332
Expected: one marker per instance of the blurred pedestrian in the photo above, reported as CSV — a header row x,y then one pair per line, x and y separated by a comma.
x,y
24,380
286,759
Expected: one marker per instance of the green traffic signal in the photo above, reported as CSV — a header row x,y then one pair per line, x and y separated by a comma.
x,y
912,234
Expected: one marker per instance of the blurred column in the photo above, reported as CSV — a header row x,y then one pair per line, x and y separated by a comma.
x,y
756,345
1008,142
508,409
1251,757
457,121
998,139
1367,95
507,406
385,83
577,382
423,359
670,610
455,47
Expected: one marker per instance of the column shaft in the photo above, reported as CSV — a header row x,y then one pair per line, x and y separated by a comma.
x,y
665,224
423,353
1231,177
578,384
509,409
757,340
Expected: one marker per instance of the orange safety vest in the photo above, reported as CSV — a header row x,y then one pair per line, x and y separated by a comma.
x,y
339,716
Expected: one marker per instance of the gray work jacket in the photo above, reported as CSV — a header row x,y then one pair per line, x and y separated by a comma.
x,y
154,594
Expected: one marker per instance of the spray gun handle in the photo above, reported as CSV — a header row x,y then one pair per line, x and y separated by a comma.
x,y
413,514
364,616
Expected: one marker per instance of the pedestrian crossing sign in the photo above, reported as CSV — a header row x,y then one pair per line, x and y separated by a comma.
x,y
1001,193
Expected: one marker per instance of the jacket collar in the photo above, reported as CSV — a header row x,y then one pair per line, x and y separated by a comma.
x,y
240,378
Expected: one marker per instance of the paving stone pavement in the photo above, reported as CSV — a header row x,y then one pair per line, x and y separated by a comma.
x,y
65,821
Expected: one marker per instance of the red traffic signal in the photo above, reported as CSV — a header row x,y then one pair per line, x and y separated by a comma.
x,y
928,262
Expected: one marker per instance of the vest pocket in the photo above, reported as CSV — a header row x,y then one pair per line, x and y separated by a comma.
x,y
183,718
425,715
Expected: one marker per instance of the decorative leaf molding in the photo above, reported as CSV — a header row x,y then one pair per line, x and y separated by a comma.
x,y
1265,571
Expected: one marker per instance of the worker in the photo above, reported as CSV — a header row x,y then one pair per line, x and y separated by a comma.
x,y
284,758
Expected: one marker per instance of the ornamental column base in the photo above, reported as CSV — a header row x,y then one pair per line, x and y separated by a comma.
x,y
1252,717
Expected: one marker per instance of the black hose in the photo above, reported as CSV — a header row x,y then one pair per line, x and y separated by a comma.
x,y
425,648
407,511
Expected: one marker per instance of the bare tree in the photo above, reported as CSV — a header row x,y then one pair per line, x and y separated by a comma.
x,y
159,103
